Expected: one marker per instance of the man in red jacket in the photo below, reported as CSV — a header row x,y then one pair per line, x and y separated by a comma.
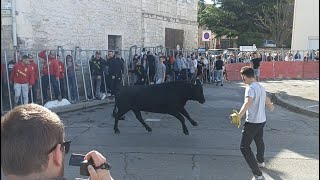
x,y
34,90
51,72
22,78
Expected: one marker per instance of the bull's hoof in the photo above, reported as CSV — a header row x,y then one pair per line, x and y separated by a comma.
x,y
194,123
117,131
149,129
186,132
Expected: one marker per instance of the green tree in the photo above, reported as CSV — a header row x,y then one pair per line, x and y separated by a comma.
x,y
241,19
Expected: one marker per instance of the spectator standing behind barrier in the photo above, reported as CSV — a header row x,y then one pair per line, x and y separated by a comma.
x,y
297,56
168,69
54,73
71,75
62,78
254,107
140,72
256,66
269,57
161,71
97,65
193,67
22,78
219,70
306,56
33,146
177,66
34,90
116,69
152,66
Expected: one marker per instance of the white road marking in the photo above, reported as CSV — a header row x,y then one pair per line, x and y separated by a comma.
x,y
153,120
313,106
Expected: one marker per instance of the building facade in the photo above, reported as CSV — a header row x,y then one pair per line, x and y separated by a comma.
x,y
305,33
99,24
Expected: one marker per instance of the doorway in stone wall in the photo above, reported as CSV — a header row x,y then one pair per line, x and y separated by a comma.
x,y
174,37
114,42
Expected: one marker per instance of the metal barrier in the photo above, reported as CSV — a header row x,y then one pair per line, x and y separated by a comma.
x,y
77,84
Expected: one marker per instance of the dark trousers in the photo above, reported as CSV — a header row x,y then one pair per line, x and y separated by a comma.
x,y
253,131
62,87
45,85
115,85
73,87
34,91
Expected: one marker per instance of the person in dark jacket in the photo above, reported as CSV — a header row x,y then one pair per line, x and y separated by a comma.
x,y
115,71
97,66
141,74
151,61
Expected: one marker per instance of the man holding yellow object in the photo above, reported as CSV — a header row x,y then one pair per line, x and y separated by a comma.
x,y
254,107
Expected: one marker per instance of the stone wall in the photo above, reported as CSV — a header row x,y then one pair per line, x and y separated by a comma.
x,y
87,24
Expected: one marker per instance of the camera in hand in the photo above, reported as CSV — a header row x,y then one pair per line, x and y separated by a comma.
x,y
78,160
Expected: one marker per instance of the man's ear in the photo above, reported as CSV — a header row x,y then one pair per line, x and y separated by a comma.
x,y
57,155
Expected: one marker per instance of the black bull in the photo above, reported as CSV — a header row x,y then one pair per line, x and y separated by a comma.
x,y
167,98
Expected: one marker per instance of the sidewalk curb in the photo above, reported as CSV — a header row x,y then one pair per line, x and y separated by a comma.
x,y
284,103
81,105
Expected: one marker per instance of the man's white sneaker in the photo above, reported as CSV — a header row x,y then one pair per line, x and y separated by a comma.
x,y
261,165
257,177
108,94
103,96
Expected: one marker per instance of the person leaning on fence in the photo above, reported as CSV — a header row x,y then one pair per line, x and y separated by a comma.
x,y
33,94
97,65
22,78
52,72
33,146
71,75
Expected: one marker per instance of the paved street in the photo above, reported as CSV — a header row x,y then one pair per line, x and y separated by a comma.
x,y
211,151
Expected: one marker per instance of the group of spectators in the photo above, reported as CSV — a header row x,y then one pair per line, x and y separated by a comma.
x,y
244,57
157,68
25,75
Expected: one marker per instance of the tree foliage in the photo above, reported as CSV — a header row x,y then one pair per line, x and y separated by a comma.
x,y
250,21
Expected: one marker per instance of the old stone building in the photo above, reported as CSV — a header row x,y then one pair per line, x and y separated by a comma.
x,y
98,24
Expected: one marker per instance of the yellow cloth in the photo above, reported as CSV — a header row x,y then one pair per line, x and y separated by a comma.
x,y
235,118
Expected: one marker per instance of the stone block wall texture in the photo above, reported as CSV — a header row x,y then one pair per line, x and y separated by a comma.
x,y
46,24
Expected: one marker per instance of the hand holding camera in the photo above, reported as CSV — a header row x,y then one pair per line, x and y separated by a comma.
x,y
92,164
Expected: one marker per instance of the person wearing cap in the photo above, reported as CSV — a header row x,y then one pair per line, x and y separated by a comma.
x,y
52,73
34,90
22,78
97,65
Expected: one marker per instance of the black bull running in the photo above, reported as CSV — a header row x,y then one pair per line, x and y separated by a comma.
x,y
166,98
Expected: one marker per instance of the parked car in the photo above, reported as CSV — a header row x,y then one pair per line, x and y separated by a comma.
x,y
269,43
215,52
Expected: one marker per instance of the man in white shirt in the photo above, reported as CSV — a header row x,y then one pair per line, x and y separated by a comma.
x,y
254,107
193,66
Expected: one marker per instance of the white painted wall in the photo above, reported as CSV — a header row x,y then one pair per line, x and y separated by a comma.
x,y
305,34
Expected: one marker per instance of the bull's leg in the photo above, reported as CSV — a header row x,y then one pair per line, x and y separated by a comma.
x,y
181,118
117,116
184,112
139,117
